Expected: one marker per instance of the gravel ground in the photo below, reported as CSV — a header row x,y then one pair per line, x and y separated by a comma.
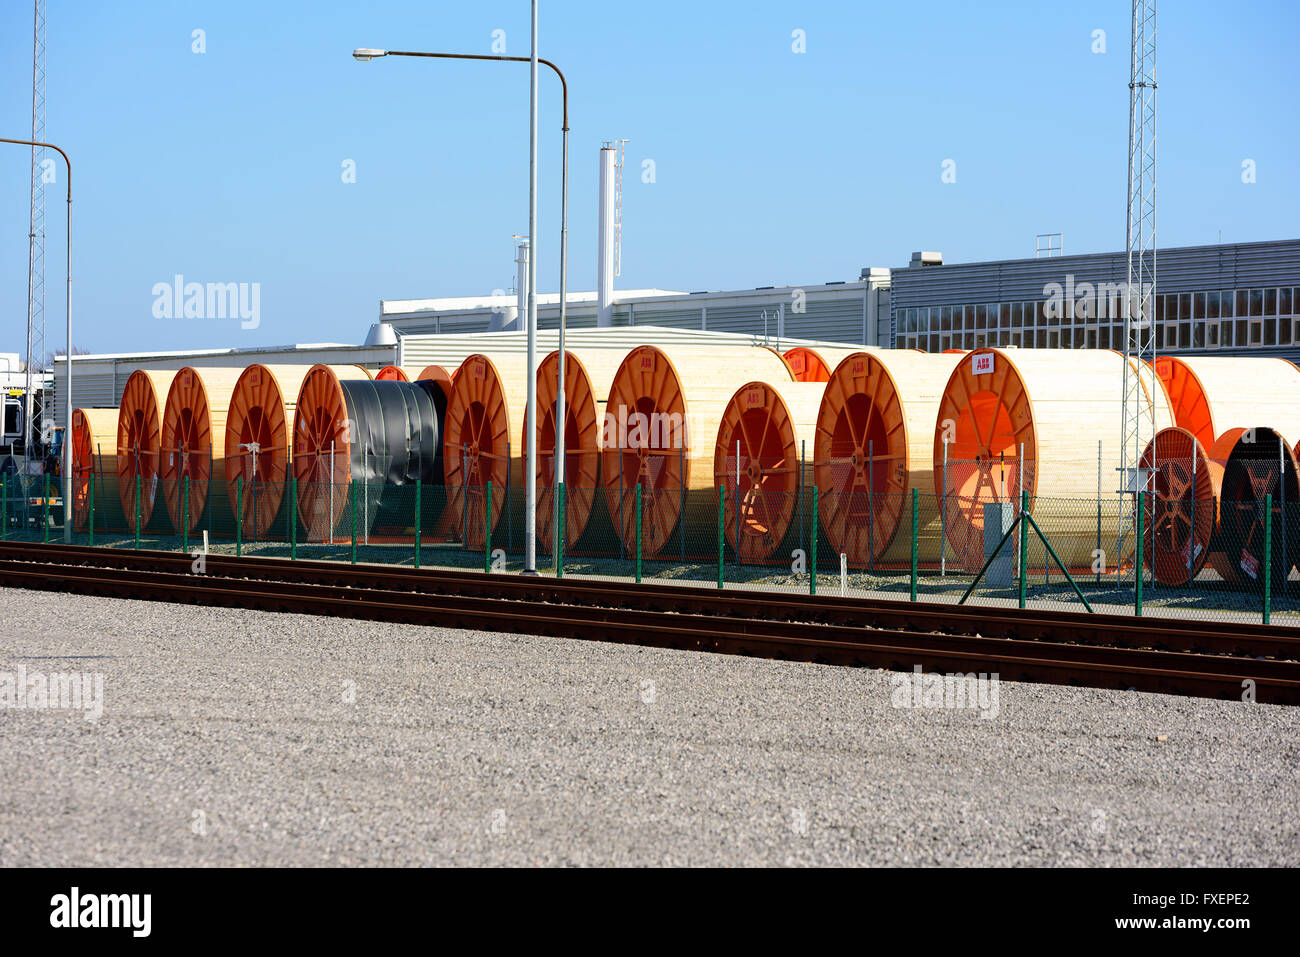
x,y
248,738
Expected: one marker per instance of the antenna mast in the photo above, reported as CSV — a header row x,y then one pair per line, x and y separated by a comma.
x,y
36,230
1140,244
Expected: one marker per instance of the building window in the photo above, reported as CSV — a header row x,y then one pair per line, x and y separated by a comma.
x,y
1284,332
1198,306
1284,301
1212,334
1270,332
1225,305
1256,332
1212,306
1270,302
1256,302
1198,334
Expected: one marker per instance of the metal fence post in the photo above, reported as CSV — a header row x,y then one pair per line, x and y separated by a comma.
x,y
45,520
638,533
137,511
353,497
916,527
681,496
559,536
622,526
722,510
239,515
1268,554
4,511
812,560
185,516
1137,581
943,513
293,518
418,485
487,527
1024,545
737,549
1099,506
871,505
91,526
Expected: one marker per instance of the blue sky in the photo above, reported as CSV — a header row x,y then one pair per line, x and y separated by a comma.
x,y
771,167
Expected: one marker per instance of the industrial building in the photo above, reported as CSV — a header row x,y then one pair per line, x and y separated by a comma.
x,y
1229,299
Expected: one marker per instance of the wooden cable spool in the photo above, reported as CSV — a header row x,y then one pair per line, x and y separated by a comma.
x,y
94,451
588,375
439,374
1211,394
1053,403
322,440
430,373
874,444
816,365
1260,463
193,446
1181,517
485,423
667,403
259,437
139,441
759,458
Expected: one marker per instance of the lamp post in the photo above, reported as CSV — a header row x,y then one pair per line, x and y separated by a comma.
x,y
67,380
561,456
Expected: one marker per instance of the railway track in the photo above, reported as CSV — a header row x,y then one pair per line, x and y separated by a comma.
x,y
1211,659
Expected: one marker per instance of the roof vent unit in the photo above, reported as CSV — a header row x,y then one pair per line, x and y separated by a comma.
x,y
926,258
381,334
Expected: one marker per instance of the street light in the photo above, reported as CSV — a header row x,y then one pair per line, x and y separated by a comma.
x,y
365,54
67,381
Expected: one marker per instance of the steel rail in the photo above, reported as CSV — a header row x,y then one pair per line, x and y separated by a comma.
x,y
1223,676
1272,641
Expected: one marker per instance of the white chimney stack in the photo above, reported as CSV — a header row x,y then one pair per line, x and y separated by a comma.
x,y
522,256
605,240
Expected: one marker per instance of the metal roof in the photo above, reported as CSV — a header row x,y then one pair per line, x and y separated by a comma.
x,y
451,350
1178,269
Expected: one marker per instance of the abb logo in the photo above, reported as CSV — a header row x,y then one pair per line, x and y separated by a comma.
x,y
647,361
754,397
859,366
480,369
254,376
981,363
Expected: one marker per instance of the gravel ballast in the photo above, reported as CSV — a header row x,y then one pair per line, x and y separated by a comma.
x,y
233,737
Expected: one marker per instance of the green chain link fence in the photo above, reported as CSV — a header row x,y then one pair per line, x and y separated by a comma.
x,y
1212,552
